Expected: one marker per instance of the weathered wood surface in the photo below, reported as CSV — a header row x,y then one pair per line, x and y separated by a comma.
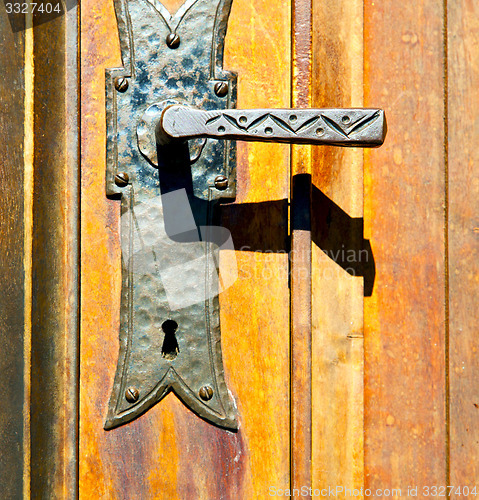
x,y
38,313
255,311
395,52
405,411
463,240
13,460
54,335
300,257
337,212
169,452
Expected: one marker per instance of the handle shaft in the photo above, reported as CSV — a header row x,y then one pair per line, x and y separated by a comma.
x,y
328,126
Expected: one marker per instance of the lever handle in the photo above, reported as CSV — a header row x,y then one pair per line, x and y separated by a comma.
x,y
328,126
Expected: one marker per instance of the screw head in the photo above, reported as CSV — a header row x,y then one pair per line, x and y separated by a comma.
x,y
122,179
121,84
173,41
132,394
221,182
206,393
221,89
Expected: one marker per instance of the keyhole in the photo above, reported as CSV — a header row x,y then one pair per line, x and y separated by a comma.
x,y
170,347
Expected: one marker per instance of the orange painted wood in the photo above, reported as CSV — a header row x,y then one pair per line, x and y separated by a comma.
x,y
338,255
463,240
173,5
169,452
405,414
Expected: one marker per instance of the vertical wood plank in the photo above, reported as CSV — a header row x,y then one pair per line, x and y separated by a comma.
x,y
463,239
13,462
39,242
301,382
255,310
404,217
340,256
55,204
169,452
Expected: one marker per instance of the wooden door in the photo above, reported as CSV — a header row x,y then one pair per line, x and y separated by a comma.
x,y
279,377
169,452
348,338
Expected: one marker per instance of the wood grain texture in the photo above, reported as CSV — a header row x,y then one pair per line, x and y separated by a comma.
x,y
54,346
300,228
404,218
12,287
169,452
463,217
337,255
301,380
255,310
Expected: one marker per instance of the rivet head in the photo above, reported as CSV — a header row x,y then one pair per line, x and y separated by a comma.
x,y
173,41
221,182
221,89
121,84
122,179
206,393
132,394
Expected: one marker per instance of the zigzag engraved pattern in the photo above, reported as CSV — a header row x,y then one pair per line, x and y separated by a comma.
x,y
248,124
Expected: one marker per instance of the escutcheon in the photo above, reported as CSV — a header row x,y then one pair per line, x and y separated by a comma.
x,y
169,327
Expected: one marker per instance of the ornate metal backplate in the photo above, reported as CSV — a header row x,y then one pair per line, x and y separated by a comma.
x,y
170,329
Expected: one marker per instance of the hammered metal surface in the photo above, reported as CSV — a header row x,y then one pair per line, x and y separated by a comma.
x,y
169,244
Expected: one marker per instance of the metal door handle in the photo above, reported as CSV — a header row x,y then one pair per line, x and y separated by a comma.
x,y
336,127
170,332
